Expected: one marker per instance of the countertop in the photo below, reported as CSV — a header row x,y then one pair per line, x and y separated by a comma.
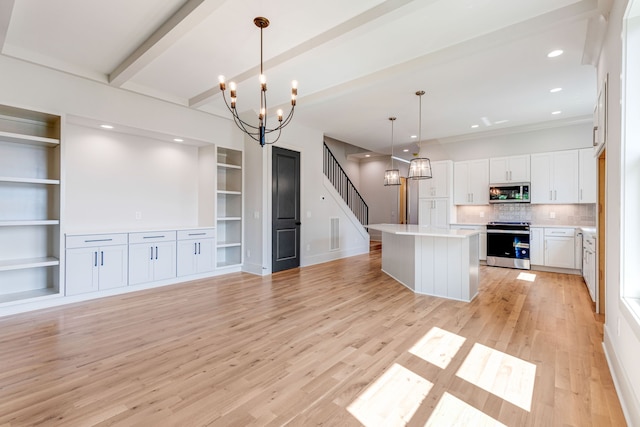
x,y
416,230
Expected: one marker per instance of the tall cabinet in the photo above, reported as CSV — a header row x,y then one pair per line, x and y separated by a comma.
x,y
29,204
229,208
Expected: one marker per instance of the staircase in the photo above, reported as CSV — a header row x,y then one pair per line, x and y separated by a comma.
x,y
337,176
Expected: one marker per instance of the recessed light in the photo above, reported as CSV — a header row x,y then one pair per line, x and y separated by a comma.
x,y
414,136
106,126
555,89
556,112
367,155
406,150
555,53
178,140
475,126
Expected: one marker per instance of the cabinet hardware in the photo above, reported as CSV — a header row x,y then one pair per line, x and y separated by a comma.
x,y
595,130
550,195
152,237
156,252
197,234
151,253
98,240
199,251
101,257
195,249
95,259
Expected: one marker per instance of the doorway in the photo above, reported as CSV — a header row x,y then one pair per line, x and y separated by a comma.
x,y
601,213
285,225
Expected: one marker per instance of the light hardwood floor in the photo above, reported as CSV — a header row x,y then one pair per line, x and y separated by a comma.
x,y
329,345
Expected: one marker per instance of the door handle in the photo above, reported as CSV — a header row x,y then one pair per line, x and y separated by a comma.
x,y
298,223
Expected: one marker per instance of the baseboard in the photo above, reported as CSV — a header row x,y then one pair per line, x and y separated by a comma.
x,y
630,404
334,255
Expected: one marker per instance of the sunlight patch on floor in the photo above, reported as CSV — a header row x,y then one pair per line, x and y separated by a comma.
x,y
453,412
505,376
529,277
438,347
392,399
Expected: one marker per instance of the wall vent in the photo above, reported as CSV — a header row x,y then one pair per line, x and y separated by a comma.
x,y
335,234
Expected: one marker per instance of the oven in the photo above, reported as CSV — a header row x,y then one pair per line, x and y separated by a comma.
x,y
508,244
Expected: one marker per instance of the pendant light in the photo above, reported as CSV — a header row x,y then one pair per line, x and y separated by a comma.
x,y
420,167
392,176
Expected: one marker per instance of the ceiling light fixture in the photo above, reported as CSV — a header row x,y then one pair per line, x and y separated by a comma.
x,y
392,176
475,126
420,167
260,132
178,140
555,90
555,53
556,112
106,126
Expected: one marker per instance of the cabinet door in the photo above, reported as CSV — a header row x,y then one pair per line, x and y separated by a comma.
x,y
559,252
536,246
498,170
440,213
206,255
587,176
112,267
565,177
479,182
541,191
461,193
187,257
164,262
439,185
140,263
519,168
81,270
425,207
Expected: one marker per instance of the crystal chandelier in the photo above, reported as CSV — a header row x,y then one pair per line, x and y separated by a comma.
x,y
392,176
420,167
259,132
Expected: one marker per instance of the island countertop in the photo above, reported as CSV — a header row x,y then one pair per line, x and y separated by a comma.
x,y
417,230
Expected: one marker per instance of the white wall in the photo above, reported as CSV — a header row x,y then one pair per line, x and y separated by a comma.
x,y
622,332
110,176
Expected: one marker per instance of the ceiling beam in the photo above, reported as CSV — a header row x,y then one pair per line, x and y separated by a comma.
x,y
352,24
192,13
6,7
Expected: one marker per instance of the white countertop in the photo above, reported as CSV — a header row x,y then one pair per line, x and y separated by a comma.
x,y
416,230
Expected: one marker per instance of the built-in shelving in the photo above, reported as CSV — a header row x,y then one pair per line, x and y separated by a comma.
x,y
229,208
29,205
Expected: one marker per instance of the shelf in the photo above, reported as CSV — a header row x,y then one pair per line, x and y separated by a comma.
x,y
229,166
228,245
28,295
30,180
28,139
238,193
230,218
29,222
18,264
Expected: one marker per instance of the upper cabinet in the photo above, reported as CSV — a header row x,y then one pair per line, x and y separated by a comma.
x,y
471,182
554,177
587,176
509,169
441,183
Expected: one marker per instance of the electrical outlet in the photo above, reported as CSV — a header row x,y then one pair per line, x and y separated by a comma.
x,y
552,215
248,253
138,215
481,214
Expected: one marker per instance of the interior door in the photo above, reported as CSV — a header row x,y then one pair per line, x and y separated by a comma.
x,y
285,229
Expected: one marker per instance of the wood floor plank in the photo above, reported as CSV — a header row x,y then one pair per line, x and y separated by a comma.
x,y
298,348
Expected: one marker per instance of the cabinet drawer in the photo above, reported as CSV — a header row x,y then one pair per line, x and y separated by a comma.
x,y
560,232
152,236
198,233
93,240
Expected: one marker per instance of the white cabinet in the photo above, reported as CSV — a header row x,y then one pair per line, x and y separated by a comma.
x,y
482,241
433,212
536,246
441,183
509,169
471,182
589,265
95,262
229,208
30,174
559,247
152,256
587,176
196,251
554,177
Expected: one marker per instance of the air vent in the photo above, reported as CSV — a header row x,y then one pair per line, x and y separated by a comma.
x,y
335,234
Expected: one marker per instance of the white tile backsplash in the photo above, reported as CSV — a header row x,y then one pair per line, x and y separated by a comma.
x,y
577,215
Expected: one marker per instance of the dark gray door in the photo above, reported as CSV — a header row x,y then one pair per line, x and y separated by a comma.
x,y
286,209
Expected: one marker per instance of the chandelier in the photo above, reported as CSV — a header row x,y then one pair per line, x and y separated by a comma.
x,y
259,133
420,167
392,176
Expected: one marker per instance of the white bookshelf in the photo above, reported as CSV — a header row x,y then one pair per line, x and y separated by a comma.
x,y
29,205
229,208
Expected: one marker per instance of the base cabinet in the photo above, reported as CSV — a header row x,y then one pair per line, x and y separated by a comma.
x,y
152,256
95,262
196,251
559,247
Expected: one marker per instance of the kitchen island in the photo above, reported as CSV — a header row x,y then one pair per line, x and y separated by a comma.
x,y
432,261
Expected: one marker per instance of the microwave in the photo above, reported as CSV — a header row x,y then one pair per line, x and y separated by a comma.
x,y
509,193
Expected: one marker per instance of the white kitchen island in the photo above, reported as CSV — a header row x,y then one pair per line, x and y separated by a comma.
x,y
431,261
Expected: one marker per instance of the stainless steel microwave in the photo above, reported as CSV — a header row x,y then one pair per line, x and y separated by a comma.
x,y
509,193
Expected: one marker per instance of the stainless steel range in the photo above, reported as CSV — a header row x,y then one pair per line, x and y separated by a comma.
x,y
508,244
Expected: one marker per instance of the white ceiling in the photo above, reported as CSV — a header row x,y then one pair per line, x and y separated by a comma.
x,y
357,62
